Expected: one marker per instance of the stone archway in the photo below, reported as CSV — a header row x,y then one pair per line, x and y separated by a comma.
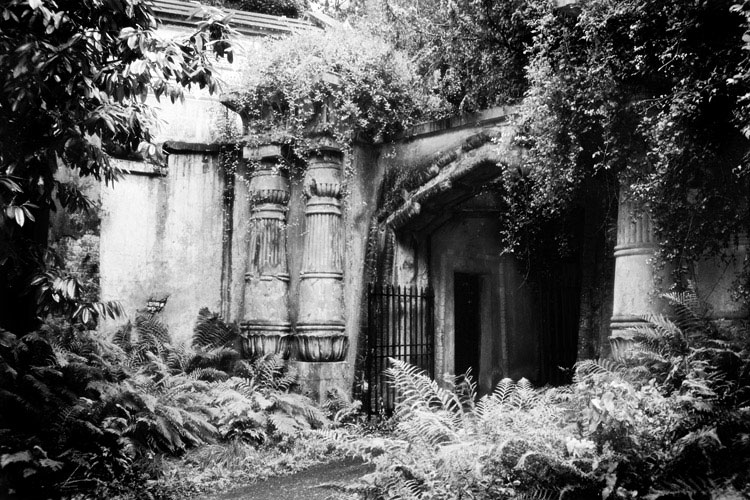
x,y
446,234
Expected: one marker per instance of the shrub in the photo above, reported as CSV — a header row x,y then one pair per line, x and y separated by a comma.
x,y
668,418
54,424
82,415
369,90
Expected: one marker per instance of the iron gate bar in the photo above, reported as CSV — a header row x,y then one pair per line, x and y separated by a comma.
x,y
399,325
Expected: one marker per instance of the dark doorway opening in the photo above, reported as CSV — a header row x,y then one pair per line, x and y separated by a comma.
x,y
467,293
558,314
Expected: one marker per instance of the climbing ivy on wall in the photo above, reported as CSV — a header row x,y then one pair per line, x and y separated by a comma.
x,y
650,94
369,91
648,90
647,94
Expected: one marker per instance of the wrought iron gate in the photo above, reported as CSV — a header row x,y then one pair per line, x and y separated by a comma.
x,y
400,326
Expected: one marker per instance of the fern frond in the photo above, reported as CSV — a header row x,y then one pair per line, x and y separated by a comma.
x,y
664,329
267,370
299,405
212,332
689,487
538,493
689,310
417,391
285,425
590,367
123,337
209,374
178,359
504,390
150,329
222,358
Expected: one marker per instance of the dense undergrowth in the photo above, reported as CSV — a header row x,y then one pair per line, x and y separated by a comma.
x,y
85,417
668,418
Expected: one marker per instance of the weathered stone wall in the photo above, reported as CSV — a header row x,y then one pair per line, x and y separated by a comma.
x,y
163,229
161,235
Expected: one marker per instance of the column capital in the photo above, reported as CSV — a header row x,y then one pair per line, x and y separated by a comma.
x,y
267,152
323,176
635,233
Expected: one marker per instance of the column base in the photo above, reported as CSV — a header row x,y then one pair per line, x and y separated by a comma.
x,y
260,340
320,343
316,380
621,335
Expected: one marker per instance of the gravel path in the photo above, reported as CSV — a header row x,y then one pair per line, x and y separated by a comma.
x,y
316,483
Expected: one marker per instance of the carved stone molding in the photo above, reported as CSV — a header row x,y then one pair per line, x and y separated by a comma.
x,y
635,233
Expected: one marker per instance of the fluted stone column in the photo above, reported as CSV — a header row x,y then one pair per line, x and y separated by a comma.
x,y
266,328
634,294
320,333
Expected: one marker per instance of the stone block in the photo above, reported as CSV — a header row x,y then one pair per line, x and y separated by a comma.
x,y
317,379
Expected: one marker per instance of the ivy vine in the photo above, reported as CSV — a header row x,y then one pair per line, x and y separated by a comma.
x,y
340,83
650,92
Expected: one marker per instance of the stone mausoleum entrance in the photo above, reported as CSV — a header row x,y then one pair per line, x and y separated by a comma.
x,y
493,317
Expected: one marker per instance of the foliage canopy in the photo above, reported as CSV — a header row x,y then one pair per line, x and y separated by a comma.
x,y
74,78
368,90
648,91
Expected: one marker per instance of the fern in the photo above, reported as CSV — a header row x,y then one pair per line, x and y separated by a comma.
x,y
301,406
123,337
209,374
588,368
212,332
690,311
417,391
151,330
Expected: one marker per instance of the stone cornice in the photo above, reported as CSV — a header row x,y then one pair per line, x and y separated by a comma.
x,y
482,118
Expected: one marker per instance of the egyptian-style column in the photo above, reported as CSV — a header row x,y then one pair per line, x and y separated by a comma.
x,y
266,328
320,335
634,294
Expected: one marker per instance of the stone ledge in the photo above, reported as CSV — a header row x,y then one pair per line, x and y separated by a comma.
x,y
172,147
137,167
481,118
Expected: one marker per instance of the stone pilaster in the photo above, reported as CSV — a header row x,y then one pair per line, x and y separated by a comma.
x,y
266,328
715,280
634,295
320,333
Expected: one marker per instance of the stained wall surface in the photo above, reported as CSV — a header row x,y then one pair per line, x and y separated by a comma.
x,y
161,236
